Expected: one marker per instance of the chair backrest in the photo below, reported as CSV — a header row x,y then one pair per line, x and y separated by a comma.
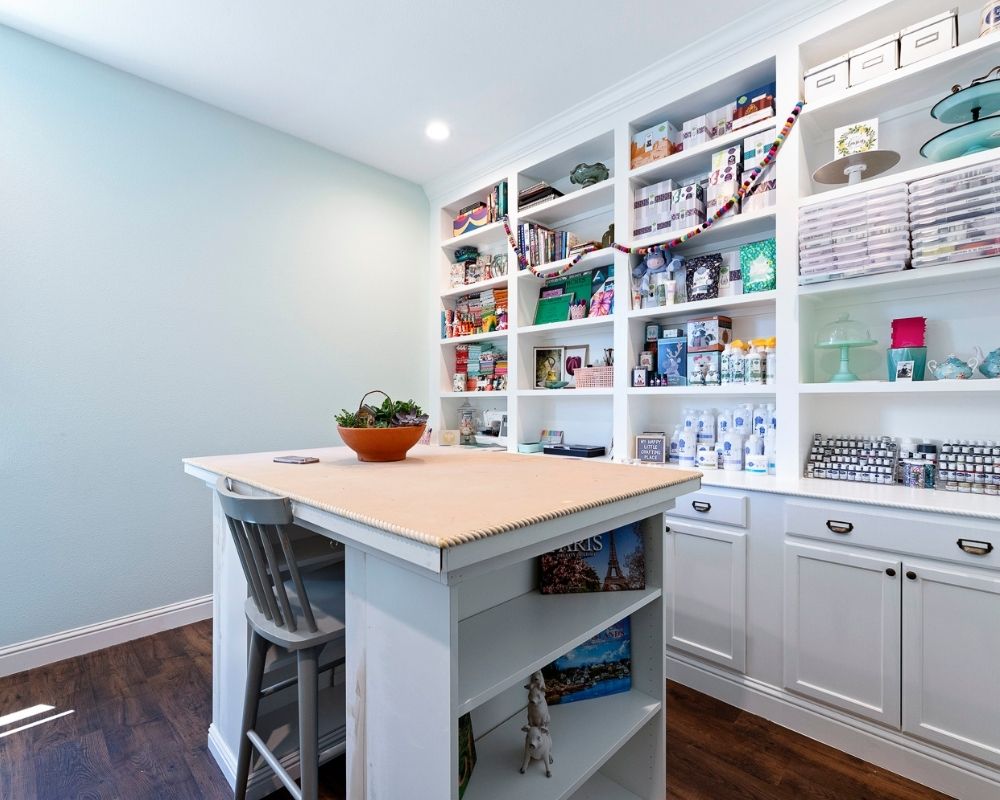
x,y
256,522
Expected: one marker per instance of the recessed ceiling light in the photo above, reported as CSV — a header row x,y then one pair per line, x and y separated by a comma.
x,y
437,130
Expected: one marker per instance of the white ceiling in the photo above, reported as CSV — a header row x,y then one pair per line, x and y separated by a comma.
x,y
363,78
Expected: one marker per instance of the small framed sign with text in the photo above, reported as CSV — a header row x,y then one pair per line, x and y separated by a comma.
x,y
651,448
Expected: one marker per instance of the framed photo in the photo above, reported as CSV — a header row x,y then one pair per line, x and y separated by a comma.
x,y
549,365
574,357
652,331
904,371
646,359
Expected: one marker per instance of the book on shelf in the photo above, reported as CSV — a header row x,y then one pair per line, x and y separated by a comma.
x,y
609,562
600,666
536,193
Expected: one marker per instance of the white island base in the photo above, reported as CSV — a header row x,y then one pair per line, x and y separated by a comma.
x,y
436,629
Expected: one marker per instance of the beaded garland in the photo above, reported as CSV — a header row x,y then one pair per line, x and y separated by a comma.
x,y
745,187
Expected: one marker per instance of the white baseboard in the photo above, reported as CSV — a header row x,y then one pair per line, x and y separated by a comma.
x,y
79,641
925,764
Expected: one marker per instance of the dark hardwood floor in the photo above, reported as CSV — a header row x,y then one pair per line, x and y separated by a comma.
x,y
141,711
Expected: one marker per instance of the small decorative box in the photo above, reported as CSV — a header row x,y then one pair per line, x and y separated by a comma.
x,y
703,369
654,143
928,38
758,265
826,79
640,377
878,58
476,218
706,334
754,106
671,358
652,331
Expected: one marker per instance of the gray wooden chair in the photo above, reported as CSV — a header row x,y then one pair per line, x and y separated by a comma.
x,y
299,611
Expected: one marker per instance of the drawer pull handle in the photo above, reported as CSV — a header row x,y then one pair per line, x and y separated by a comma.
x,y
666,529
911,575
701,506
890,572
975,548
842,528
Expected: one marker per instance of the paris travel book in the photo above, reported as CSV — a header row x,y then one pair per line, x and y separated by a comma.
x,y
609,562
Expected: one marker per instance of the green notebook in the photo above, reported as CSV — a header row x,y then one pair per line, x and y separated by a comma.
x,y
553,309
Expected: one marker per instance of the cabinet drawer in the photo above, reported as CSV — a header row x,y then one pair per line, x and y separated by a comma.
x,y
938,536
712,507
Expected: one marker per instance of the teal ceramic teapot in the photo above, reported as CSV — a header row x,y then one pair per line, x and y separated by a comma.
x,y
989,364
952,368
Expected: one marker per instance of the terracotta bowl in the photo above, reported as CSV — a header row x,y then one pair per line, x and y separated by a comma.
x,y
381,444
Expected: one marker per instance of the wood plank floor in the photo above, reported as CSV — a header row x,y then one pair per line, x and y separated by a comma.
x,y
140,712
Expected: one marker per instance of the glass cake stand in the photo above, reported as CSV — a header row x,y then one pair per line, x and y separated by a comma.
x,y
844,334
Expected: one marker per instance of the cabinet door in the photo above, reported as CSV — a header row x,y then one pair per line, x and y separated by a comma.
x,y
706,594
951,659
842,619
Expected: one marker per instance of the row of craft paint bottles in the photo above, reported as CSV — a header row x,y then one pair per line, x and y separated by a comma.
x,y
754,362
743,438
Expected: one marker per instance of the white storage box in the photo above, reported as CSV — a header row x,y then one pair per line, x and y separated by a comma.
x,y
928,38
826,79
875,59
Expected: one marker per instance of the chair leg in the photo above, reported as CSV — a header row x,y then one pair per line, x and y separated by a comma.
x,y
308,722
251,699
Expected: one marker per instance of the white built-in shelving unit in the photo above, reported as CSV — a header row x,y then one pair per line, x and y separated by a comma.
x,y
959,300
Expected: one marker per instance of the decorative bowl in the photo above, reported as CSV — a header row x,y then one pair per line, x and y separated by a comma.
x,y
555,384
381,444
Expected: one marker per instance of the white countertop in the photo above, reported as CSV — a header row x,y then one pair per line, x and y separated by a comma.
x,y
932,500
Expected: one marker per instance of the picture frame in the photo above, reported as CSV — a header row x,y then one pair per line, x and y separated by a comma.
x,y
904,371
639,376
647,359
575,356
548,360
651,448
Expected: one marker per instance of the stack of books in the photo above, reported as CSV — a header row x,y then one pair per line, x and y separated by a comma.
x,y
536,193
542,245
496,203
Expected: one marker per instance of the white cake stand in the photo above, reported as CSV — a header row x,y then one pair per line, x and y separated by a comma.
x,y
851,169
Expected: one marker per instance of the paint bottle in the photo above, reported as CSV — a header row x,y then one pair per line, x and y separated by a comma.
x,y
737,363
732,458
771,361
690,420
772,415
760,421
723,422
741,420
770,445
706,426
725,376
675,444
753,366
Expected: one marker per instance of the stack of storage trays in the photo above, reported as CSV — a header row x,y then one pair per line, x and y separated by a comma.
x,y
956,216
863,234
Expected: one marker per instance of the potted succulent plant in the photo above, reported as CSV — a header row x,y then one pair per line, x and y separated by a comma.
x,y
383,432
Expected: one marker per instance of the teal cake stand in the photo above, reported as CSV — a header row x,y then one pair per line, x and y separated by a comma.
x,y
845,373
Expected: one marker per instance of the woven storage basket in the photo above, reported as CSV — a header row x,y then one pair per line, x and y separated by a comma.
x,y
594,377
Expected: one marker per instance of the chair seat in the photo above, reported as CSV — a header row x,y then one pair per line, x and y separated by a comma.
x,y
325,589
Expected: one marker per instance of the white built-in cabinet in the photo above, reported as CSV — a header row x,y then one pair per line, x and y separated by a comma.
x,y
842,637
951,658
705,593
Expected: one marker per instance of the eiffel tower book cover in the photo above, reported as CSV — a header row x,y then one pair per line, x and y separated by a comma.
x,y
609,562
598,667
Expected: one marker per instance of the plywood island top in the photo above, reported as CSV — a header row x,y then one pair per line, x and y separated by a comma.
x,y
445,496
